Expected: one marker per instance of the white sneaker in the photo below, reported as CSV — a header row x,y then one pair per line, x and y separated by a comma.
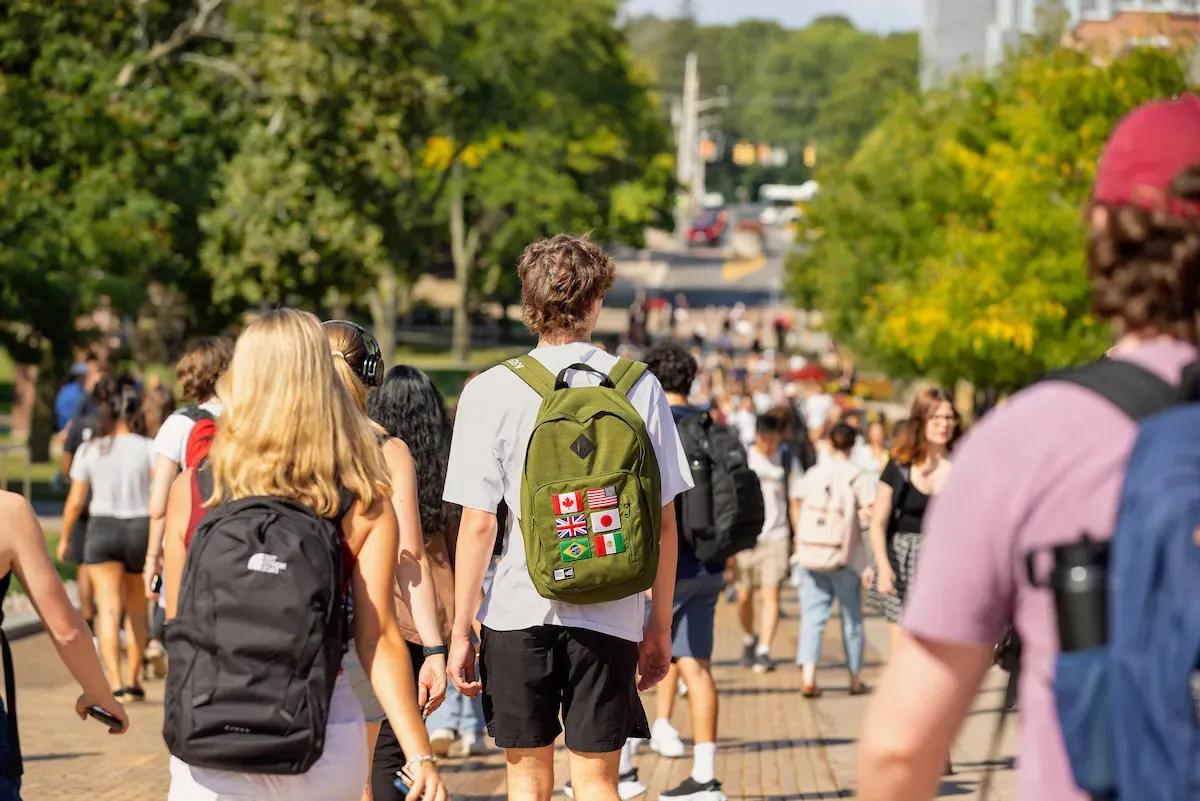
x,y
628,787
681,688
665,741
467,746
440,741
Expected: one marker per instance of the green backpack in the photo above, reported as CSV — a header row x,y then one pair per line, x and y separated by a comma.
x,y
591,511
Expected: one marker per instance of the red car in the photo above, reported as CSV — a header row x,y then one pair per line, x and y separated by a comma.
x,y
708,227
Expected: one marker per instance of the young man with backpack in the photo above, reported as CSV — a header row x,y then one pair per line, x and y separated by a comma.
x,y
722,514
1107,690
583,449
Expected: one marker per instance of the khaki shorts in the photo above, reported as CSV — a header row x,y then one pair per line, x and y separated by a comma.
x,y
764,565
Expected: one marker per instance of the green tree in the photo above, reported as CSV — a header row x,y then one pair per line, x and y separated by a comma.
x,y
953,243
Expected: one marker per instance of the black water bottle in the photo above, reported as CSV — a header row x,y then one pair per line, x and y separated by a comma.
x,y
1080,584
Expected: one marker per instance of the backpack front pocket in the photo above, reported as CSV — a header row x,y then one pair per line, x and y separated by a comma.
x,y
586,539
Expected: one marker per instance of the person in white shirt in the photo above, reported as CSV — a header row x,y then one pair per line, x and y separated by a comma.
x,y
763,568
541,659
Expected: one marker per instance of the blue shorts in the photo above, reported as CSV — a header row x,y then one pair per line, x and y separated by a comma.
x,y
693,617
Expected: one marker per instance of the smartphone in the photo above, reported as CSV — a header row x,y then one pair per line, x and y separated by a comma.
x,y
156,583
111,721
400,784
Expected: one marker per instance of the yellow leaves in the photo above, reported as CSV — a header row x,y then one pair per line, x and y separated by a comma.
x,y
439,151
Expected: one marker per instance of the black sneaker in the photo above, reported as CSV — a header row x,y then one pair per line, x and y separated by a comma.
x,y
692,790
763,663
628,787
748,653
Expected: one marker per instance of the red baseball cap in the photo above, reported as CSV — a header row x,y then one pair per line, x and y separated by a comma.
x,y
1146,152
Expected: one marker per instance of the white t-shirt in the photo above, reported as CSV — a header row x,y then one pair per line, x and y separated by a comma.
x,y
118,470
816,409
172,438
775,496
492,426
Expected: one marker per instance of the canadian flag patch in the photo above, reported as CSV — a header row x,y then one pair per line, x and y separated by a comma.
x,y
568,502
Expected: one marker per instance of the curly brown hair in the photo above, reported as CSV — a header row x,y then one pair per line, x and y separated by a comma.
x,y
1145,264
199,368
561,280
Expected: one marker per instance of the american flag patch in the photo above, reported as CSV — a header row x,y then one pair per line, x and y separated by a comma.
x,y
571,526
602,498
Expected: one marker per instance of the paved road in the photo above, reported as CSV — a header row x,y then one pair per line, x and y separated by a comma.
x,y
773,744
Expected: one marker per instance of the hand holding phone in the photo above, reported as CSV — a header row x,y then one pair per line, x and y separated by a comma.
x,y
112,721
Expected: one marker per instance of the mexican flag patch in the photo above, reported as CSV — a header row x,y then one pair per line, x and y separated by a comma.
x,y
609,544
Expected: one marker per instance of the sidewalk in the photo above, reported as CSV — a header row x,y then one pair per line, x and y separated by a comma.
x,y
773,744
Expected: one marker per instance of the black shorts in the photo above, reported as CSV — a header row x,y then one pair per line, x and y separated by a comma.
x,y
111,539
389,756
531,676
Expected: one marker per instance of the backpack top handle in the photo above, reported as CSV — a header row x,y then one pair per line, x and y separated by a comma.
x,y
561,383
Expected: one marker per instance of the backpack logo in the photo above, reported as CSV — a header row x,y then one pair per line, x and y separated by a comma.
x,y
582,447
266,563
564,573
516,363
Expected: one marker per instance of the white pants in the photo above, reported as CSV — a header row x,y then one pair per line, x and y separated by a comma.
x,y
339,775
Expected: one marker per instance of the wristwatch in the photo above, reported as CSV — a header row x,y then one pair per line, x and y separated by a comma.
x,y
435,650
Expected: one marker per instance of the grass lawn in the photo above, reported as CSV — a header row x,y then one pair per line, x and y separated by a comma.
x,y
65,572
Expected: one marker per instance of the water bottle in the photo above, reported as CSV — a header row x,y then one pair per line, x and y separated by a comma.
x,y
1079,581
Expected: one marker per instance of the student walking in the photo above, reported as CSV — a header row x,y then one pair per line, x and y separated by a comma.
x,y
286,528
23,552
1043,470
547,663
763,568
697,588
916,472
832,557
111,475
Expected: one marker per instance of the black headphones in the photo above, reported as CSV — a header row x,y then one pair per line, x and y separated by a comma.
x,y
370,372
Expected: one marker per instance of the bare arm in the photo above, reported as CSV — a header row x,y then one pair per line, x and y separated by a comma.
x,y
67,629
664,581
881,513
380,644
414,572
921,702
179,511
476,539
165,470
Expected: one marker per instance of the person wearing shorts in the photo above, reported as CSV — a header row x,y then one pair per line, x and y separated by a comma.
x,y
761,569
549,667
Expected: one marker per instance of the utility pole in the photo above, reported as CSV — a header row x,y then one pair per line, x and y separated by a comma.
x,y
689,163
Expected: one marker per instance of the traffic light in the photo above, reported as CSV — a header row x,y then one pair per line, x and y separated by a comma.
x,y
810,156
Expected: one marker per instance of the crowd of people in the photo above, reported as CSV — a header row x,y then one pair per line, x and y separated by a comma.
x,y
356,581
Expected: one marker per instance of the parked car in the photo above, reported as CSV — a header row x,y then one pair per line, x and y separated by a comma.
x,y
708,227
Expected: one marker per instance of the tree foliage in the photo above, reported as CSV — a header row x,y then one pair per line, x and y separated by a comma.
x,y
952,244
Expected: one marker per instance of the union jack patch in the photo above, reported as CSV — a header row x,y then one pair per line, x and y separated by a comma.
x,y
571,526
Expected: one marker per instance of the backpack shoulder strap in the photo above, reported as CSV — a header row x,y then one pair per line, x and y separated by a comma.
x,y
533,373
204,479
1136,391
625,374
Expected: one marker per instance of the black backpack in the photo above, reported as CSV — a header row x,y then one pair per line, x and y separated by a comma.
x,y
724,513
258,637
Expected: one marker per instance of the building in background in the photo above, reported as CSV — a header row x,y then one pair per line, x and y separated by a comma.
x,y
963,35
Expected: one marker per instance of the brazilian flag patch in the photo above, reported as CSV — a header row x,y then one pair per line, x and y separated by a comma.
x,y
575,550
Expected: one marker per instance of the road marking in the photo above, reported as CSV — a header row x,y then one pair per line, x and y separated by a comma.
x,y
737,269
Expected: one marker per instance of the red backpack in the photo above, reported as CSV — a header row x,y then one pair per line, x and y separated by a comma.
x,y
199,441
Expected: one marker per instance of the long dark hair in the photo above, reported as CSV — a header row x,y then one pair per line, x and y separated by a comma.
x,y
409,407
118,400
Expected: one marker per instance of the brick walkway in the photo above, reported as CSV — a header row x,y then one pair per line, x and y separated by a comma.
x,y
773,744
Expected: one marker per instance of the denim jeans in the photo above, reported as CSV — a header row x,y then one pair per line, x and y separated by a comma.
x,y
457,713
818,588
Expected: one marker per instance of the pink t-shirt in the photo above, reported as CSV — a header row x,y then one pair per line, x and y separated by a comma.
x,y
1037,472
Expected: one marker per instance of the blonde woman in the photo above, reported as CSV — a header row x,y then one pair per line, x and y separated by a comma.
x,y
357,361
297,434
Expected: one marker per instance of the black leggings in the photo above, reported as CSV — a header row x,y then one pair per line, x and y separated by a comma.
x,y
389,757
